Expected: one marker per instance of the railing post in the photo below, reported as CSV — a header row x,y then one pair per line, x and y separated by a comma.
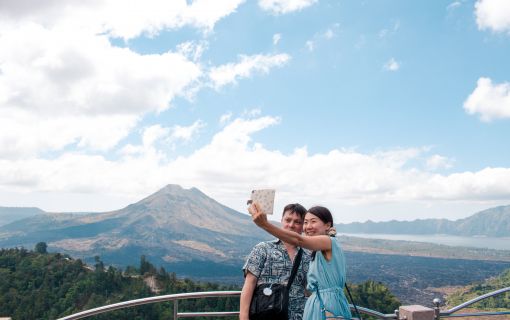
x,y
437,313
176,305
416,312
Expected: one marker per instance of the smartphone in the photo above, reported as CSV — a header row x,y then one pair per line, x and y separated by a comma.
x,y
264,198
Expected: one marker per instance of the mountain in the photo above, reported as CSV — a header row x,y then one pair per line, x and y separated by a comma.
x,y
493,222
173,227
10,214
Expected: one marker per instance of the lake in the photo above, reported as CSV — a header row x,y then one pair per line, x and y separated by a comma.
x,y
449,240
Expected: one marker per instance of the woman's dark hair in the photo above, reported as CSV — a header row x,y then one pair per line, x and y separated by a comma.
x,y
295,208
324,215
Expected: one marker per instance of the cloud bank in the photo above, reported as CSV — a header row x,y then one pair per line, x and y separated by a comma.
x,y
232,162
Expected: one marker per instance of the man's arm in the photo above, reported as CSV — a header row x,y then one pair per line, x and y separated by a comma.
x,y
315,243
250,283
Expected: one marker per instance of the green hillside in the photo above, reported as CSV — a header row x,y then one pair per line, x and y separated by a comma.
x,y
38,285
41,285
499,302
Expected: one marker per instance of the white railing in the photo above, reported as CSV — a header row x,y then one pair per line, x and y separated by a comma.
x,y
219,294
193,295
170,297
451,312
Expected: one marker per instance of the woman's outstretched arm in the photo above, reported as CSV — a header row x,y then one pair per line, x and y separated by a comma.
x,y
315,243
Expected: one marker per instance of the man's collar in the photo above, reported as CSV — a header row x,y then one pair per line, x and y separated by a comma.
x,y
280,242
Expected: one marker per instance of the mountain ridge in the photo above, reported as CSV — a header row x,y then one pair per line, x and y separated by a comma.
x,y
173,225
188,231
493,222
11,214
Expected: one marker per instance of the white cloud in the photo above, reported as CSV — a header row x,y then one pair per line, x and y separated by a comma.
x,y
252,113
25,134
454,5
118,18
285,6
233,163
493,14
157,140
436,161
329,34
248,65
63,84
154,133
276,38
490,101
61,88
310,45
225,118
192,50
186,133
387,32
319,37
392,65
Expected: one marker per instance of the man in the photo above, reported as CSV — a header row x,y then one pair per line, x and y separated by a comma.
x,y
271,262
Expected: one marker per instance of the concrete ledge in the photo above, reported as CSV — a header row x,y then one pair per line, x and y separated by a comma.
x,y
416,312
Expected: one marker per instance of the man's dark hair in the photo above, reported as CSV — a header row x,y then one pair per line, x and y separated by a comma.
x,y
295,208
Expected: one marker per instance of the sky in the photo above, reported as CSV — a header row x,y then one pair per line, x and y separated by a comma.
x,y
375,109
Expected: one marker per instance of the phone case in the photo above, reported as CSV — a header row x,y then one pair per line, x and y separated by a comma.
x,y
265,199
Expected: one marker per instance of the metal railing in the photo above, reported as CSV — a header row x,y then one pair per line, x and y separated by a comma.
x,y
373,313
170,297
451,312
193,295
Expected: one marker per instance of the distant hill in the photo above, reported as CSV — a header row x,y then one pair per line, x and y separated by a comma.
x,y
480,288
10,214
173,226
193,235
494,222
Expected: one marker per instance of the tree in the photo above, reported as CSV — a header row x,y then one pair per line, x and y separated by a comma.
x,y
41,248
99,264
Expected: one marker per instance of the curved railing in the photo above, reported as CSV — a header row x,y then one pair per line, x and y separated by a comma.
x,y
373,313
193,295
451,312
218,294
169,297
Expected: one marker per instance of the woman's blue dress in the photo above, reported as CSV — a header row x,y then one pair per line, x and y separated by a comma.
x,y
329,278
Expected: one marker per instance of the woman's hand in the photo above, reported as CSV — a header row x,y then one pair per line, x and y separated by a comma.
x,y
257,215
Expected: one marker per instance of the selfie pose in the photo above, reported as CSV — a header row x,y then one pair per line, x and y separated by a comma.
x,y
326,273
271,262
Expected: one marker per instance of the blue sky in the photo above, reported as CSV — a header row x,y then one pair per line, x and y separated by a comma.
x,y
377,109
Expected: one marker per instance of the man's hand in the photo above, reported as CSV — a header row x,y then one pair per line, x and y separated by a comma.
x,y
257,215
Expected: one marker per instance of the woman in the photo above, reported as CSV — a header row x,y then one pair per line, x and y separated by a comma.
x,y
326,274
